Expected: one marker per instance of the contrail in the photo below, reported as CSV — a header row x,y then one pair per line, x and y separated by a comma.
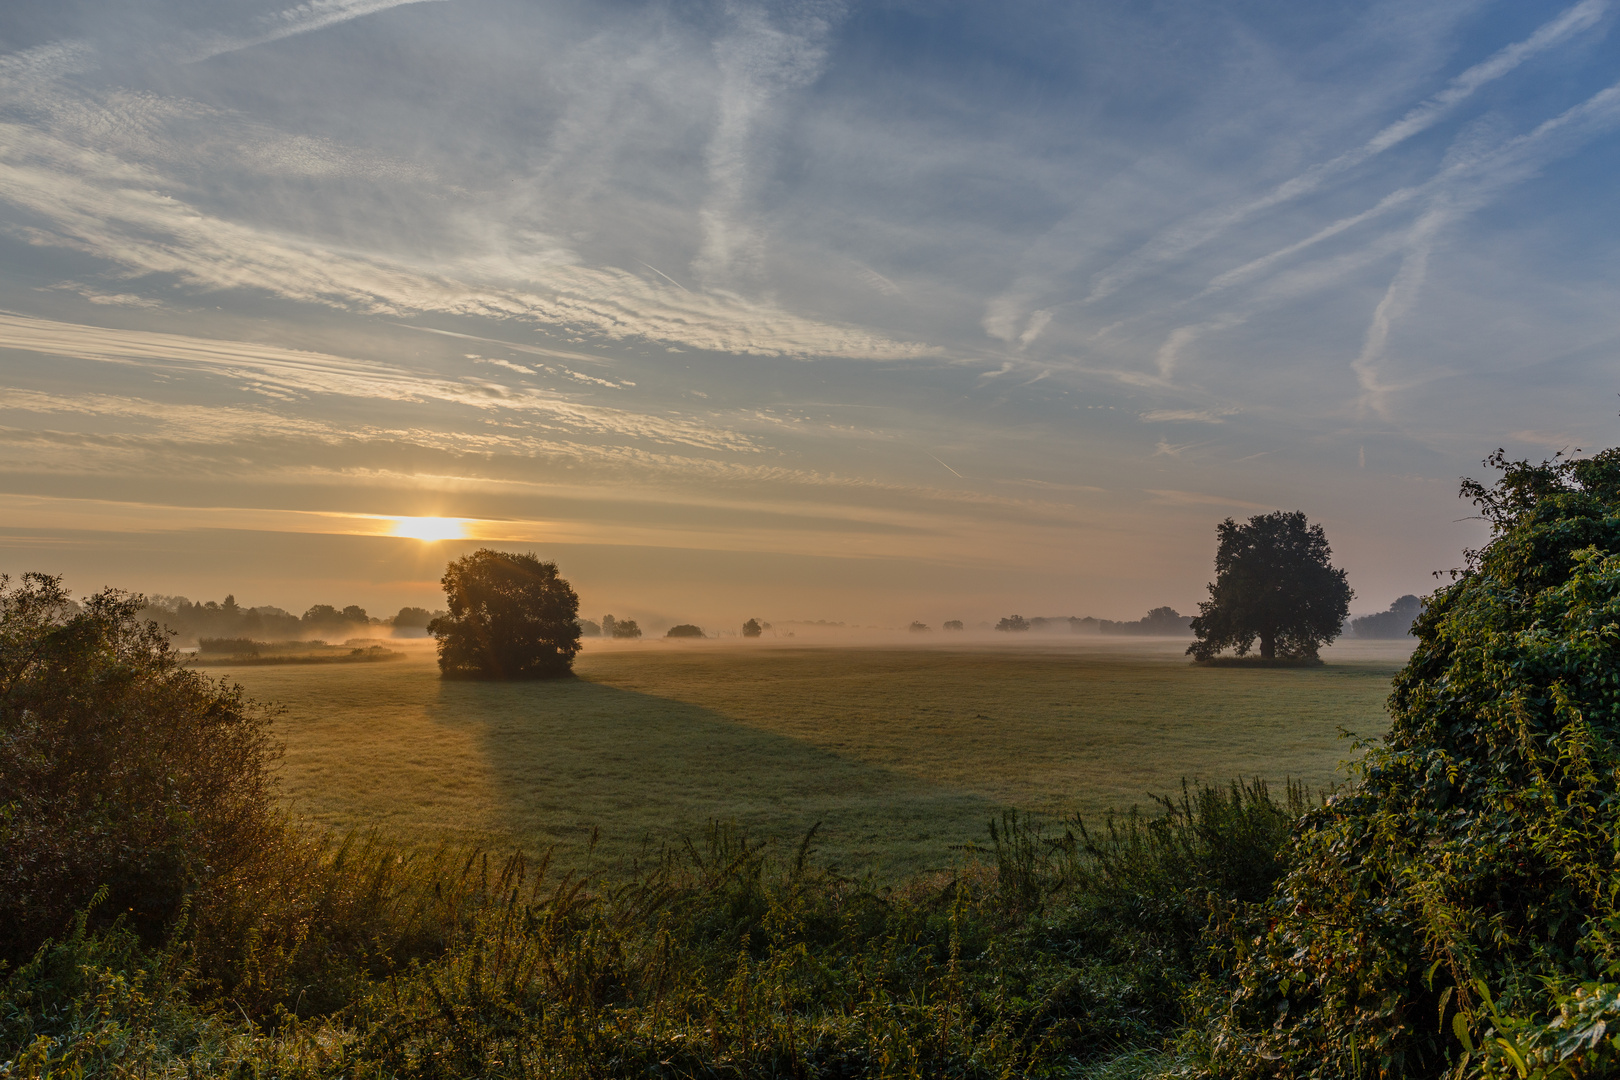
x,y
314,15
1179,241
533,350
948,469
665,276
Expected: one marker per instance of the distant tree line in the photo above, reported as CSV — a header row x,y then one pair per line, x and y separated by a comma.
x,y
227,619
1159,622
1394,623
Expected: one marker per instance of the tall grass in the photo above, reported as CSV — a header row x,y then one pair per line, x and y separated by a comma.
x,y
1055,950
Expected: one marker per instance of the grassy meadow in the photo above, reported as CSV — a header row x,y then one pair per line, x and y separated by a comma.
x,y
903,753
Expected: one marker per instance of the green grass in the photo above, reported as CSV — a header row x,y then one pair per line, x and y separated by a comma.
x,y
901,752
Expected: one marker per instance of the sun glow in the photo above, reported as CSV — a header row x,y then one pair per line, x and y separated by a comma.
x,y
430,528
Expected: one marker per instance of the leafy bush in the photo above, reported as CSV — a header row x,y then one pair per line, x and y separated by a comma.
x,y
1455,912
119,767
685,630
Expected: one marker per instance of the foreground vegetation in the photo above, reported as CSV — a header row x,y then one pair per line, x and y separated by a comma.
x,y
1065,953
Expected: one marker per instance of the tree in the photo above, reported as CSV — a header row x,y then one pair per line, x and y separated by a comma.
x,y
626,628
119,767
953,624
1015,624
511,617
413,617
685,630
1272,582
919,628
751,628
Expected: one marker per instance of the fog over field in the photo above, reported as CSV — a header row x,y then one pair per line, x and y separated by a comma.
x,y
902,752
814,310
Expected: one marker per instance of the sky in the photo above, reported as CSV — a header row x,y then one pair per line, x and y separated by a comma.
x,y
801,309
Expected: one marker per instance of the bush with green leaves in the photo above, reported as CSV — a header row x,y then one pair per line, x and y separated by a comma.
x,y
120,768
1456,911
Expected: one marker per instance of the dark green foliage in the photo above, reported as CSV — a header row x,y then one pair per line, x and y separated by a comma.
x,y
510,617
1272,582
119,767
1455,912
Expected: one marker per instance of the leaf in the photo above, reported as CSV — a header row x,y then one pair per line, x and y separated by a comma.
x,y
1459,1025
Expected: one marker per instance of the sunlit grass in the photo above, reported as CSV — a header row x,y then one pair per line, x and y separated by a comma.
x,y
902,753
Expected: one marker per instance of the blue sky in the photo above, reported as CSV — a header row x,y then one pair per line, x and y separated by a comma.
x,y
809,310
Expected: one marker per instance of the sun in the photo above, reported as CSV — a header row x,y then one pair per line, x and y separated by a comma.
x,y
431,528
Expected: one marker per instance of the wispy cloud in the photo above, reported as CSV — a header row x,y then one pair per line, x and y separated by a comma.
x,y
768,50
1200,416
85,197
304,373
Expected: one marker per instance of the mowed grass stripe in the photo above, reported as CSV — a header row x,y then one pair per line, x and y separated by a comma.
x,y
902,753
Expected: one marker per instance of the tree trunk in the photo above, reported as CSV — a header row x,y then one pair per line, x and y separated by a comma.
x,y
1268,645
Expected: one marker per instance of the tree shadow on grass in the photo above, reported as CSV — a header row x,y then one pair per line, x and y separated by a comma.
x,y
569,756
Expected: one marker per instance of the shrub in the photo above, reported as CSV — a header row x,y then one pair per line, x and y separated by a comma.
x,y
119,767
1455,911
685,630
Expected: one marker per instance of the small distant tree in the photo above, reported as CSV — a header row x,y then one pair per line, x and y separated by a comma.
x,y
587,628
355,613
1014,623
608,622
919,628
626,628
954,624
1273,582
751,628
510,617
685,630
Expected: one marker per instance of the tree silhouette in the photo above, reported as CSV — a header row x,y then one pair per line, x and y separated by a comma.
x,y
1272,582
510,617
751,628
